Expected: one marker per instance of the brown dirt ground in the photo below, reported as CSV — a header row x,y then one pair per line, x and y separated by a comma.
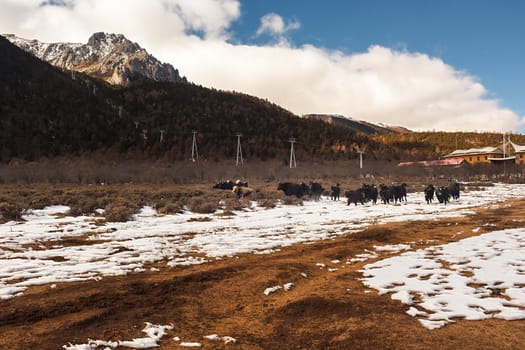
x,y
327,310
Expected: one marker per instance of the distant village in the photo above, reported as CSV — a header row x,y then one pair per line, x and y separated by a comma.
x,y
506,153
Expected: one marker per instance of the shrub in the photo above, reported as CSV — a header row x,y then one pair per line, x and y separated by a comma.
x,y
119,212
169,207
267,203
203,205
292,200
83,206
232,204
10,211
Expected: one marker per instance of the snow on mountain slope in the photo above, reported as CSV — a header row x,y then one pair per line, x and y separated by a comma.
x,y
110,57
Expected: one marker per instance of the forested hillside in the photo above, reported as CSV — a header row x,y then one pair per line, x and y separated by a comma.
x,y
46,112
218,117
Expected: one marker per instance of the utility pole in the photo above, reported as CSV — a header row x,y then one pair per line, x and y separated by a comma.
x,y
239,151
194,152
293,163
145,135
361,152
360,159
504,155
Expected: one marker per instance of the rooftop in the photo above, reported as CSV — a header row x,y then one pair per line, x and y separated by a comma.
x,y
474,151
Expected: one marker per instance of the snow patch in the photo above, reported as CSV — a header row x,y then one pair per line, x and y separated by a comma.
x,y
476,278
154,332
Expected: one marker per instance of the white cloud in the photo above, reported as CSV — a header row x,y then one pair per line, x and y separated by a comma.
x,y
273,24
209,16
380,85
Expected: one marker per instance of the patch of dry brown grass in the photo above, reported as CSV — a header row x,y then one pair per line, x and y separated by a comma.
x,y
10,212
202,205
119,212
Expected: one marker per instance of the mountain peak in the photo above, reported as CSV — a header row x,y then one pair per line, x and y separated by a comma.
x,y
107,56
99,37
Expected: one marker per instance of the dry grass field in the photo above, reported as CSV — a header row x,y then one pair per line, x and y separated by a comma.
x,y
324,311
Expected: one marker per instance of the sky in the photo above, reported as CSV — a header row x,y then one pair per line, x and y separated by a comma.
x,y
426,65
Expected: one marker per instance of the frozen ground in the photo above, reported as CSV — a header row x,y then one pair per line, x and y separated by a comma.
x,y
474,278
50,247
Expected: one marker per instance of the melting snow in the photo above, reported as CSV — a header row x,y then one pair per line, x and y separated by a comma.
x,y
28,257
190,344
271,290
215,337
474,279
154,332
392,248
32,253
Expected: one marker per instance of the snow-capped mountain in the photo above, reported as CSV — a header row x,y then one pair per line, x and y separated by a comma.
x,y
111,57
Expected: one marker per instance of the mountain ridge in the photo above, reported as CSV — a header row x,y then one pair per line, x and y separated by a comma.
x,y
357,125
110,57
107,56
47,112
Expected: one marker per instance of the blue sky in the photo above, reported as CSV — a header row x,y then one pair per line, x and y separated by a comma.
x,y
485,38
453,65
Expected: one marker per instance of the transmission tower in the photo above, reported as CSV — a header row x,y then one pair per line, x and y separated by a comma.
x,y
293,163
361,152
239,151
194,152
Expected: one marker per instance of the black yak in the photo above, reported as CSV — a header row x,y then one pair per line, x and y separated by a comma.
x,y
429,193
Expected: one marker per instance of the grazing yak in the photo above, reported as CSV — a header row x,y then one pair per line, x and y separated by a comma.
x,y
429,193
369,192
241,191
386,194
293,189
354,196
400,192
228,184
443,195
336,190
316,190
395,193
453,189
224,185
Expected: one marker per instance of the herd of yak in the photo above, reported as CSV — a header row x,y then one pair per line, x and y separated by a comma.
x,y
365,193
